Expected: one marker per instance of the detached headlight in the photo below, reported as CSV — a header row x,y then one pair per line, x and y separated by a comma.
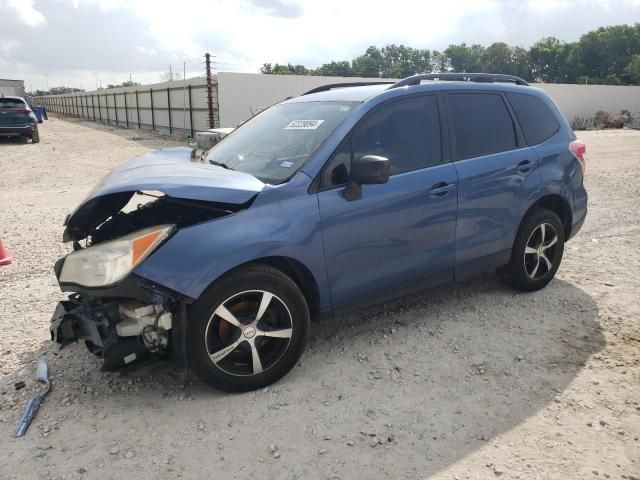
x,y
110,262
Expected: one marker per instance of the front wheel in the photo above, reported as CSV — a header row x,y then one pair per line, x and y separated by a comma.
x,y
247,330
537,251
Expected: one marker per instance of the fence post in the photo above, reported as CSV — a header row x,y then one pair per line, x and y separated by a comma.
x,y
169,108
190,113
153,118
93,108
137,109
99,107
115,107
209,89
126,111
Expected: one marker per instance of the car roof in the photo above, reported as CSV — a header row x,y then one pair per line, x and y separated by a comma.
x,y
364,93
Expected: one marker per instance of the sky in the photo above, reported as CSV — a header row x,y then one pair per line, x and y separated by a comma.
x,y
85,43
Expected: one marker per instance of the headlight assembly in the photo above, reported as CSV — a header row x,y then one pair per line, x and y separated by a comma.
x,y
109,262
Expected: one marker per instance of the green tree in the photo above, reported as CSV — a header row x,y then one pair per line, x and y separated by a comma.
x,y
370,64
334,69
464,58
287,69
606,52
606,55
127,83
555,61
632,70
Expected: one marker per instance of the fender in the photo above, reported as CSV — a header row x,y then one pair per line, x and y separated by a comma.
x,y
234,240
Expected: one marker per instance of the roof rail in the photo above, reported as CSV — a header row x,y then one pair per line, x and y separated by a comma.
x,y
461,77
324,88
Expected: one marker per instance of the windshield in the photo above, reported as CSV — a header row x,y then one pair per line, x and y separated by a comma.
x,y
273,145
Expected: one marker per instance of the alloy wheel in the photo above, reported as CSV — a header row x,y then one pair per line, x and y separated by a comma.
x,y
541,251
248,333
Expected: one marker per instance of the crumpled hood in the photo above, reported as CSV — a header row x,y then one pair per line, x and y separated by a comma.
x,y
169,171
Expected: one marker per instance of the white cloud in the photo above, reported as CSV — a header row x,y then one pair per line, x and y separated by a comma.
x,y
27,14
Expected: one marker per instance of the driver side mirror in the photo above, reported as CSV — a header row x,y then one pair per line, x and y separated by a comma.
x,y
366,170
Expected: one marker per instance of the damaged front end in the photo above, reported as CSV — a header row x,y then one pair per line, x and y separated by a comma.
x,y
121,331
121,316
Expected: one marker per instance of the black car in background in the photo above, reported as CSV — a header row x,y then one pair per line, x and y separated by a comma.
x,y
17,119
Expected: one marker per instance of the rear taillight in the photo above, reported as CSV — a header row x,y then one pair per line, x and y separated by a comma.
x,y
15,110
578,149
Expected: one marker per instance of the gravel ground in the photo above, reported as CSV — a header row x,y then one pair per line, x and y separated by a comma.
x,y
464,381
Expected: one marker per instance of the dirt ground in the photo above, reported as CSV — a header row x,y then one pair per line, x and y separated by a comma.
x,y
466,381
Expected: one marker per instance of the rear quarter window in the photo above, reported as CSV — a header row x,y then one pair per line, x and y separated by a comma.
x,y
481,124
537,121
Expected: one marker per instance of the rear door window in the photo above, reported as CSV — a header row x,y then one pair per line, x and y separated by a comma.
x,y
481,124
537,121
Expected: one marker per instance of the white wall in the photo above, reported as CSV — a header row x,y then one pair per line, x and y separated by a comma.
x,y
586,100
242,95
12,87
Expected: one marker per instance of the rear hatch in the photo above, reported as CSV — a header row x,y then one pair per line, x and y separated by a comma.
x,y
14,112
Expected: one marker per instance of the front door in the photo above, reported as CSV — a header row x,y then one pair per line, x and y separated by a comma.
x,y
401,231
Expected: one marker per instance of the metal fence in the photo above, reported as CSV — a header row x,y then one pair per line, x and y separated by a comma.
x,y
173,107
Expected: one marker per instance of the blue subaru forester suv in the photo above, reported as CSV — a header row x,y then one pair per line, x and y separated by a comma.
x,y
334,200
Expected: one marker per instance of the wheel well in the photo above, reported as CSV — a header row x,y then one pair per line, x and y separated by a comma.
x,y
560,207
301,275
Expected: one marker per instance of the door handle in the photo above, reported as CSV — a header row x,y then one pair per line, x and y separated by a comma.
x,y
525,166
441,189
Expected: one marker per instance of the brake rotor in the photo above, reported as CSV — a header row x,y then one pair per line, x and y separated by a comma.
x,y
239,310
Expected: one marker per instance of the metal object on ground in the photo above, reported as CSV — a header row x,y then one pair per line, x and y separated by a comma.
x,y
42,375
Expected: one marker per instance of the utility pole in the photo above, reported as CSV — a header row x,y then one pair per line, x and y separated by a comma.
x,y
184,98
207,63
46,80
96,74
170,74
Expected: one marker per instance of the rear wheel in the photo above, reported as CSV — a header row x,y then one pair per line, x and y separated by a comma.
x,y
537,251
248,329
35,136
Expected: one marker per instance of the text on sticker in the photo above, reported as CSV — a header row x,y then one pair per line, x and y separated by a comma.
x,y
303,124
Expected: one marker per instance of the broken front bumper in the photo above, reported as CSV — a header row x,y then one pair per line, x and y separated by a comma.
x,y
72,321
93,316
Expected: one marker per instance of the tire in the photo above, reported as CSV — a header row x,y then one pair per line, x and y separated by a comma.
x,y
255,311
35,137
537,252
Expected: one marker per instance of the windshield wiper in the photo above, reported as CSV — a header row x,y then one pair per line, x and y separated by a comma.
x,y
220,164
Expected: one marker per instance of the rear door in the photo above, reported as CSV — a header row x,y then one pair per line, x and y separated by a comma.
x,y
401,231
498,174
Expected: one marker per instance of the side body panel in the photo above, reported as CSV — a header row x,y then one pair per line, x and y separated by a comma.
x,y
283,221
561,173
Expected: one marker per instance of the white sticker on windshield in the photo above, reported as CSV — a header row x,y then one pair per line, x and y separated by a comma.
x,y
287,164
303,124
